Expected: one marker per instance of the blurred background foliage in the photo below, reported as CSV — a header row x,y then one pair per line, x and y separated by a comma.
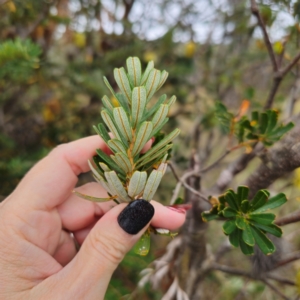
x,y
54,53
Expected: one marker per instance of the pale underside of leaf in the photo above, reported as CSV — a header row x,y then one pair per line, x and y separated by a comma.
x,y
171,101
116,146
104,184
123,162
163,78
109,123
134,70
152,184
139,99
109,86
107,104
91,198
117,186
104,167
143,137
137,183
160,116
152,83
123,82
149,67
122,122
94,171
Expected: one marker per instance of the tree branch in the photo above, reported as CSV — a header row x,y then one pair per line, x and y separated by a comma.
x,y
290,218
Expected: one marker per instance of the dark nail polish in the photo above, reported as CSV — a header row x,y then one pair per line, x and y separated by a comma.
x,y
136,216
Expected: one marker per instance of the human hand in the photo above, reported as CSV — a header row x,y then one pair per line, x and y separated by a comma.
x,y
38,257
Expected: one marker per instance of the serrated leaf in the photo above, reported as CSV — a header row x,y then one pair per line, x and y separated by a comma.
x,y
109,86
265,219
272,228
152,83
116,146
264,244
155,107
152,184
273,202
123,82
259,199
134,70
166,140
122,123
231,199
122,160
117,186
163,78
137,183
247,236
160,116
91,198
229,226
109,161
143,136
149,67
245,205
110,124
155,156
139,99
241,223
234,238
107,104
229,212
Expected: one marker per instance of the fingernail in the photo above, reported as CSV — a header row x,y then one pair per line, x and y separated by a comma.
x,y
136,216
179,210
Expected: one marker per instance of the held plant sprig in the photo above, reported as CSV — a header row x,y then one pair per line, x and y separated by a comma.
x,y
130,121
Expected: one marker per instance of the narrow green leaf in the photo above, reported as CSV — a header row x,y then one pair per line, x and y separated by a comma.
x,y
154,157
134,70
247,236
116,146
117,186
155,107
152,83
158,128
264,244
143,245
265,219
272,229
263,122
246,249
241,223
171,101
122,122
103,133
160,116
242,193
208,216
231,199
91,198
94,170
272,120
97,160
123,162
137,183
109,86
229,226
229,212
152,184
109,161
123,102
97,131
110,124
160,145
259,199
273,202
149,67
245,205
163,78
107,104
123,82
139,99
142,137
234,237
279,132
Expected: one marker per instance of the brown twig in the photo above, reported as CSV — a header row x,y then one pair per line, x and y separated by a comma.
x,y
290,218
256,13
289,258
274,288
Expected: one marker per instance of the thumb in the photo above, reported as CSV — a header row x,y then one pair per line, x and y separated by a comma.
x,y
89,273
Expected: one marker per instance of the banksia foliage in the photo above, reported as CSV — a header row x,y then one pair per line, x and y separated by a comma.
x,y
129,122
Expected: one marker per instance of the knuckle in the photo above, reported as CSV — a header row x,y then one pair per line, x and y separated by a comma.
x,y
108,248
